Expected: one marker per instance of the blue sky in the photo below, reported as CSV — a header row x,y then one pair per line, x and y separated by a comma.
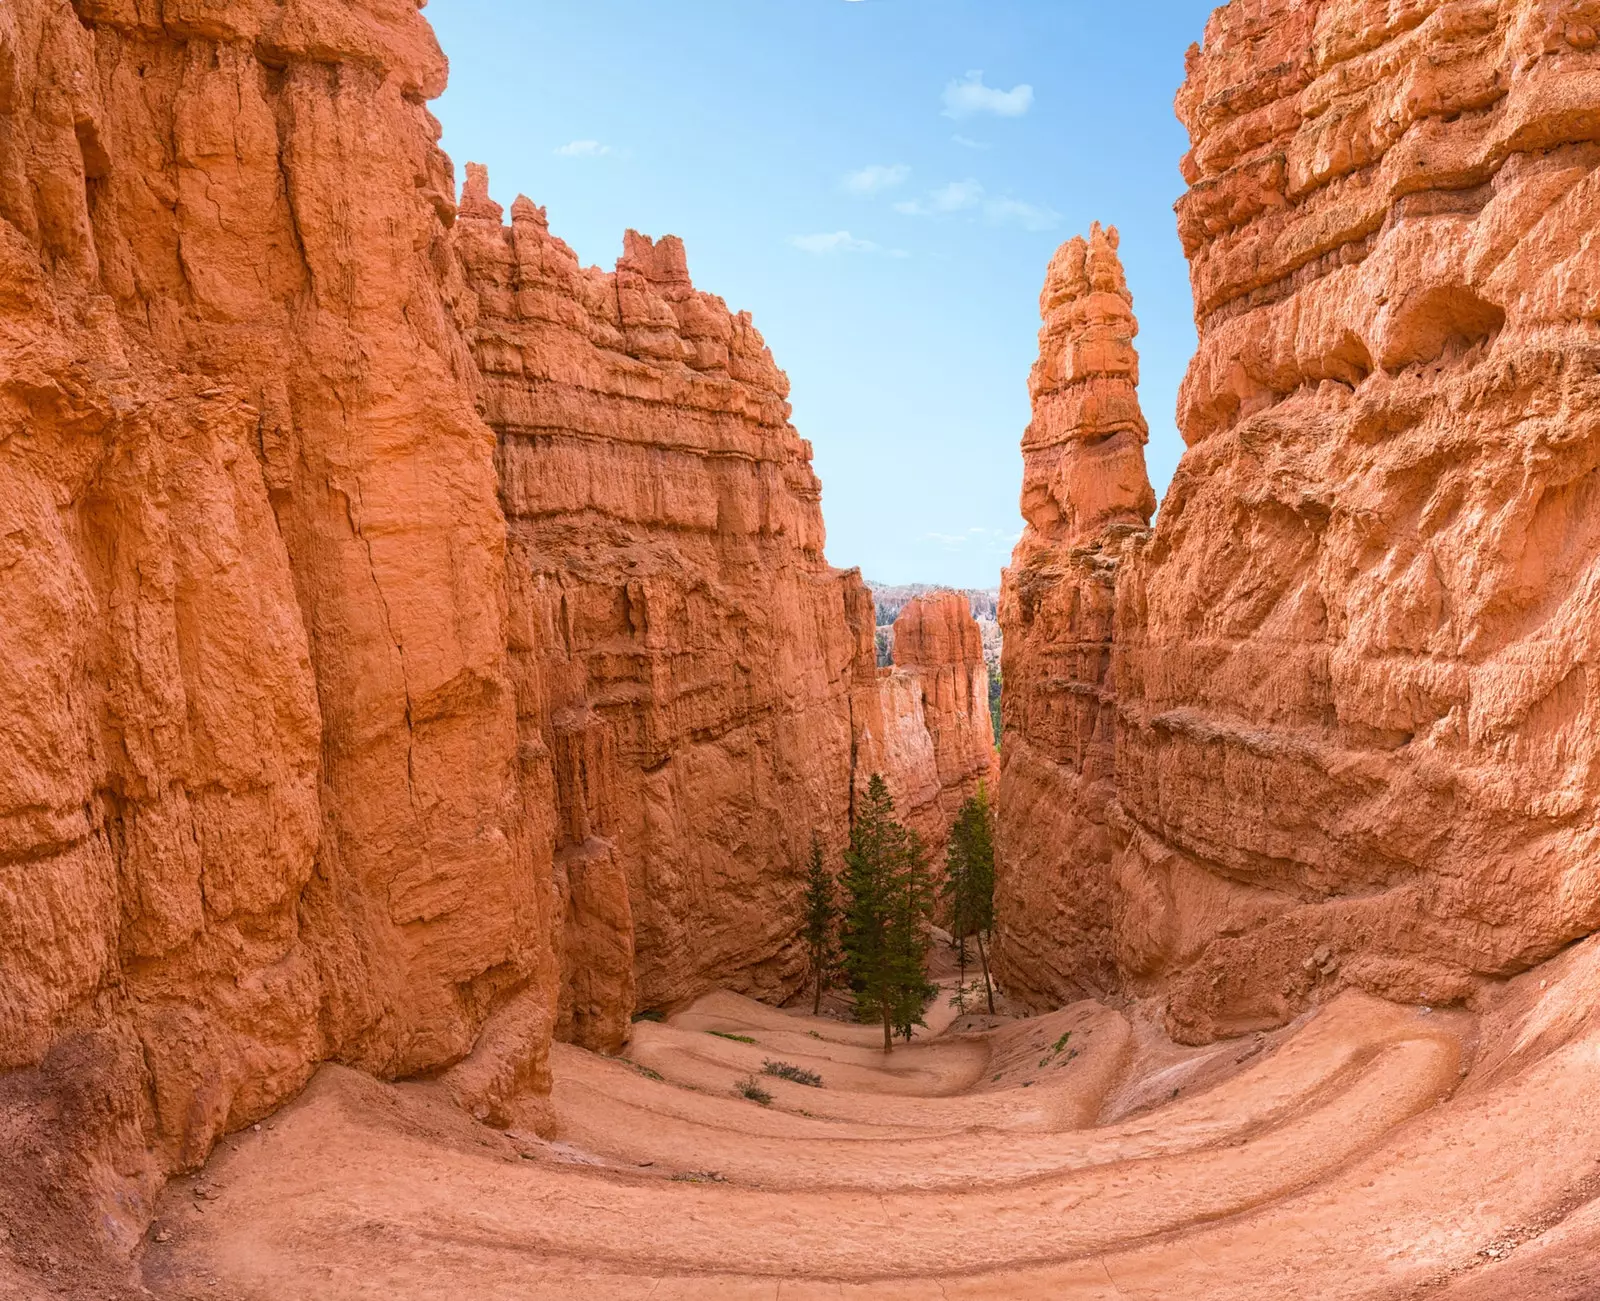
x,y
881,183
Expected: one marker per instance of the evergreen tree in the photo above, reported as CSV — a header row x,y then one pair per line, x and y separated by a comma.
x,y
909,939
888,898
821,919
969,880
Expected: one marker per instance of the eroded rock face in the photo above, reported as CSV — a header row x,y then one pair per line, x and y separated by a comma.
x,y
679,644
1087,499
259,794
1352,666
337,722
937,738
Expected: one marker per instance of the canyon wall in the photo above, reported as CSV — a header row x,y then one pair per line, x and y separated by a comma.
x,y
414,646
260,802
1350,671
936,743
679,646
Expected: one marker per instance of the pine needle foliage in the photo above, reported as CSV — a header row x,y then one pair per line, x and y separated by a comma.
x,y
821,922
968,886
888,901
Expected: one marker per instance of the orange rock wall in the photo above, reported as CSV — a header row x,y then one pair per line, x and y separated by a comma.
x,y
1086,500
679,644
337,722
937,739
1354,702
260,802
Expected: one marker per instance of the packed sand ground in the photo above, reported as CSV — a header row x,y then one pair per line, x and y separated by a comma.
x,y
1369,1151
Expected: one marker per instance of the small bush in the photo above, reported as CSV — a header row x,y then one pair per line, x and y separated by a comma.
x,y
788,1071
650,1014
737,1038
750,1087
647,1072
699,1177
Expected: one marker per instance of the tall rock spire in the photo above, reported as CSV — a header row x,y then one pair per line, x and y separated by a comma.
x,y
1083,453
1087,500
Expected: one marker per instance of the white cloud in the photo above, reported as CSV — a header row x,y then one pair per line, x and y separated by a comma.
x,y
585,149
967,142
984,539
839,241
967,196
1030,216
956,196
875,177
970,96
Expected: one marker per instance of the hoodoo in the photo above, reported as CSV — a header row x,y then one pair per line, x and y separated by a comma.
x,y
422,687
685,661
1087,501
1333,723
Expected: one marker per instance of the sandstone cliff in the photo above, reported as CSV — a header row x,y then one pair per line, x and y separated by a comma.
x,y
414,645
259,795
1086,500
1354,705
680,648
937,741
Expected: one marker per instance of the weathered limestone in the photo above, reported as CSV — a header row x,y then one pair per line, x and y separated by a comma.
x,y
1354,719
937,742
414,645
1086,499
679,644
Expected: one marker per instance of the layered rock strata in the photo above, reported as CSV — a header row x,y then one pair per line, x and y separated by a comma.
x,y
936,745
337,722
1354,697
679,646
260,801
1086,500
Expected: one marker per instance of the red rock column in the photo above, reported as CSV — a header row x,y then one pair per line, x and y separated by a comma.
x,y
1087,500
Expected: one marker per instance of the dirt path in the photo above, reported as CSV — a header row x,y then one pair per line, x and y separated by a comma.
x,y
1373,1151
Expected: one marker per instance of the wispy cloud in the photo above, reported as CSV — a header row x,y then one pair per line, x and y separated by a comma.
x,y
982,539
969,196
875,178
585,149
956,196
967,142
969,97
838,241
1030,216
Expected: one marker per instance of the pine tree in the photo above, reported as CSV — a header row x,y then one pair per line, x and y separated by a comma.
x,y
969,879
909,939
821,920
888,898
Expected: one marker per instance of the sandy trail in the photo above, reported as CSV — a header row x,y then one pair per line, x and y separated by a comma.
x,y
1371,1151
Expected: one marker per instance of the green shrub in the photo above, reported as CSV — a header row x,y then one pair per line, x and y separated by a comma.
x,y
750,1087
737,1038
788,1071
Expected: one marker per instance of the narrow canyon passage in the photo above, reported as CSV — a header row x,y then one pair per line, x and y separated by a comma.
x,y
1367,1150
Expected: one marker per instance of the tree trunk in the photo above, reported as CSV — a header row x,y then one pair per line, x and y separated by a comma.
x,y
816,971
987,987
888,1033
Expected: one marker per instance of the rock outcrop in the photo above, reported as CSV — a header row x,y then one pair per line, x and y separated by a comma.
x,y
680,648
1086,500
260,802
1354,697
414,646
936,744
